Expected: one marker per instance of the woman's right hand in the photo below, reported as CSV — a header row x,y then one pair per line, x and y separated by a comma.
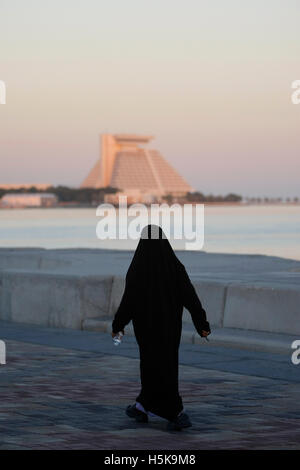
x,y
205,333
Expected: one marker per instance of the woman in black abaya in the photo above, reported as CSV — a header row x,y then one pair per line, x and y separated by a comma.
x,y
157,288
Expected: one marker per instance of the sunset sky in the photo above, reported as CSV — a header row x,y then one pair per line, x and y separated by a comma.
x,y
211,80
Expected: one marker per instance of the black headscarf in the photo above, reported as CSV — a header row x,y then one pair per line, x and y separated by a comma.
x,y
154,259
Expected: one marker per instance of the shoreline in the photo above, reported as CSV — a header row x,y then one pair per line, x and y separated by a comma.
x,y
99,250
210,203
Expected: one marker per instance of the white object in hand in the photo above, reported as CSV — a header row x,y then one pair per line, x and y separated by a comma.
x,y
118,338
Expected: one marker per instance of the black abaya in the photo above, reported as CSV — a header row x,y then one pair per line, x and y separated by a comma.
x,y
157,288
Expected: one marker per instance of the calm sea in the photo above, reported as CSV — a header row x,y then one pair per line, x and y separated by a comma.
x,y
262,229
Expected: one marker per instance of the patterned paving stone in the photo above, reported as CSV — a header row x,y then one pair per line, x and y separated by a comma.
x,y
59,398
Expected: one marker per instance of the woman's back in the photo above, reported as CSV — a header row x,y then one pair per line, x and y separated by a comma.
x,y
157,287
154,275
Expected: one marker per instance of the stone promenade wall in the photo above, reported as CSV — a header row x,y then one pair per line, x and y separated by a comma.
x,y
68,300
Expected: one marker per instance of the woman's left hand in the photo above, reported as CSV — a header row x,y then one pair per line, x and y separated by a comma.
x,y
205,333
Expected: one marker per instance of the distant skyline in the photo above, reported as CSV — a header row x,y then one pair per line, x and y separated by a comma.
x,y
211,80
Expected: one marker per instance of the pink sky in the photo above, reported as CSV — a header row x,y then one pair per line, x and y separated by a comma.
x,y
211,80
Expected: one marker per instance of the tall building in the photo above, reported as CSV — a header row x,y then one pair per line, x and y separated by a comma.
x,y
140,173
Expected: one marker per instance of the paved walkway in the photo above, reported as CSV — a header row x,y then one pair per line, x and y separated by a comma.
x,y
67,389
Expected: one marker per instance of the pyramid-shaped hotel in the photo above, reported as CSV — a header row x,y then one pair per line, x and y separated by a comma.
x,y
138,172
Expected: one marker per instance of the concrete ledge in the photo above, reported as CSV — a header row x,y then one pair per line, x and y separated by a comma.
x,y
261,308
118,286
31,259
228,337
60,300
103,325
72,300
249,339
212,295
95,295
